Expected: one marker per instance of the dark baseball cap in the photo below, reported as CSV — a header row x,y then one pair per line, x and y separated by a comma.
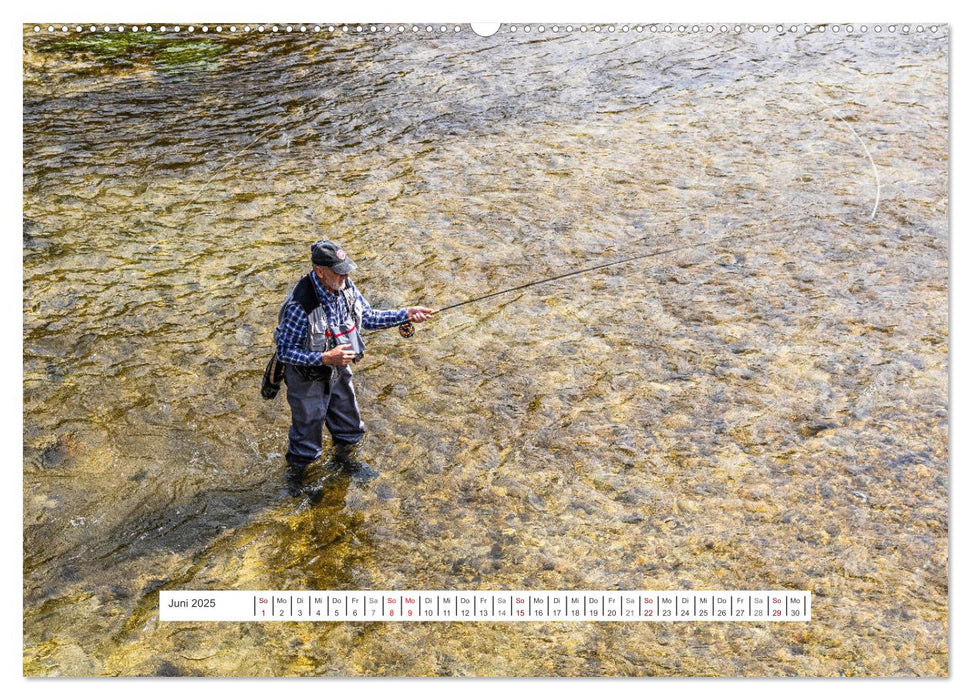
x,y
329,254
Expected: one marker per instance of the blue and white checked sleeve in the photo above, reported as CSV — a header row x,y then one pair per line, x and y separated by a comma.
x,y
290,336
375,320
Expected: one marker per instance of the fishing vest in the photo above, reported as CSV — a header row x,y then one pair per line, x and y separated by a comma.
x,y
321,334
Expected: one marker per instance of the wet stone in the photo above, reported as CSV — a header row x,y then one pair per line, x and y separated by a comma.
x,y
384,491
168,669
814,429
54,456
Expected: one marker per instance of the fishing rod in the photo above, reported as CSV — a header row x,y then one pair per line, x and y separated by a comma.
x,y
407,329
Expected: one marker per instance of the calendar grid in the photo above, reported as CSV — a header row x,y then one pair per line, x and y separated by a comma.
x,y
486,606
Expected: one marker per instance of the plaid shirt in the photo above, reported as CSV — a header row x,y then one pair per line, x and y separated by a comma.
x,y
291,334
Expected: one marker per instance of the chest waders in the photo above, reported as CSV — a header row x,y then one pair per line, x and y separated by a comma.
x,y
321,395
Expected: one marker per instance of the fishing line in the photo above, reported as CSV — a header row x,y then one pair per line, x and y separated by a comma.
x,y
302,110
876,174
407,329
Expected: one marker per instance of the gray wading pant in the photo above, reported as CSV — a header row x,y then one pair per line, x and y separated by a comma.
x,y
312,406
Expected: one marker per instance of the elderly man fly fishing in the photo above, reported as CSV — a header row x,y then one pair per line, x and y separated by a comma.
x,y
318,336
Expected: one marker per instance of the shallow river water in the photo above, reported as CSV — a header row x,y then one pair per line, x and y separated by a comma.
x,y
766,411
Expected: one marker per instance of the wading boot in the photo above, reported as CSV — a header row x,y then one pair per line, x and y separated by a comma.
x,y
295,486
345,455
294,478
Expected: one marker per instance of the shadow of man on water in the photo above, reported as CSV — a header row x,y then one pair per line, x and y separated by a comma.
x,y
344,462
195,526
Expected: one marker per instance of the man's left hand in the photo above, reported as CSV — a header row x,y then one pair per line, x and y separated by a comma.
x,y
419,314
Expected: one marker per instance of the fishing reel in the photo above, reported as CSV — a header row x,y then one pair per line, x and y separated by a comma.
x,y
407,329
